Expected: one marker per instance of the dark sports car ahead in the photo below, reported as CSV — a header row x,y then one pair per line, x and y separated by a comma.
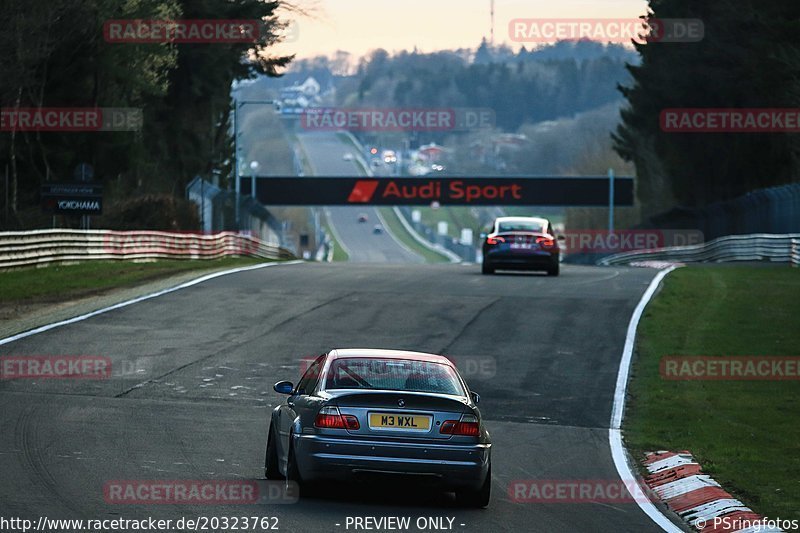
x,y
521,243
381,414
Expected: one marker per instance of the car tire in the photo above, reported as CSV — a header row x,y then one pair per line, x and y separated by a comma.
x,y
271,470
554,270
293,473
477,498
486,269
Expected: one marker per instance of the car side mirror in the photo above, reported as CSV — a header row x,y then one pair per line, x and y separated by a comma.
x,y
476,398
283,387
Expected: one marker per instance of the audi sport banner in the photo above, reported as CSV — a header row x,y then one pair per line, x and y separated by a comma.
x,y
540,191
72,199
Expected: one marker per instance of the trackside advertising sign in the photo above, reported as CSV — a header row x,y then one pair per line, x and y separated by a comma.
x,y
578,191
72,199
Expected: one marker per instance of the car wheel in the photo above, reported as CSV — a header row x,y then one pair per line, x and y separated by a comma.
x,y
292,472
554,270
486,269
271,470
477,498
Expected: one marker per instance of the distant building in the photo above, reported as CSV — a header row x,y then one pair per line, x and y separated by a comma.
x,y
431,153
301,96
495,149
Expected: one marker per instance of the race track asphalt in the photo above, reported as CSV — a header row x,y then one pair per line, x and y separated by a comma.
x,y
192,389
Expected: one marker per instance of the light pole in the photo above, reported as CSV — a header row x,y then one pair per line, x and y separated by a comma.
x,y
253,170
237,175
611,200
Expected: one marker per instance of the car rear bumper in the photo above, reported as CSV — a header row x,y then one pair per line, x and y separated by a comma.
x,y
521,261
453,466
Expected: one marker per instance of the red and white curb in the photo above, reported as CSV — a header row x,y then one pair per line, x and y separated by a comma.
x,y
678,480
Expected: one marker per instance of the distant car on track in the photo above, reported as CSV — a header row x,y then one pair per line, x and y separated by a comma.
x,y
347,156
381,415
378,229
389,157
363,217
521,243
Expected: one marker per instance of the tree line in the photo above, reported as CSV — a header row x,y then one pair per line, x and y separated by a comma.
x,y
53,54
749,57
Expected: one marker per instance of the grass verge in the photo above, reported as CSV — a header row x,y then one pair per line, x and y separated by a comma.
x,y
745,433
399,231
338,251
56,283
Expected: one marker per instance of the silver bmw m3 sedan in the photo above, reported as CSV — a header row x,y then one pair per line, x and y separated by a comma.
x,y
381,414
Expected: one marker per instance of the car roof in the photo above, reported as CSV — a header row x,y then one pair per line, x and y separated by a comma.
x,y
388,354
540,220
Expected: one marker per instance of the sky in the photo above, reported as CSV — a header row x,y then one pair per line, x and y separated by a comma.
x,y
358,26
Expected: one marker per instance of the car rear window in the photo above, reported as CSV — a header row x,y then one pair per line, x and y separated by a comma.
x,y
393,374
520,226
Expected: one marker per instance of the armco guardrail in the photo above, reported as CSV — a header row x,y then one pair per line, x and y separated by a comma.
x,y
37,247
756,247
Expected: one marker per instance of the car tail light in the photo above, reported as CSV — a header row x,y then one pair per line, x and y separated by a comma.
x,y
545,242
351,422
330,418
468,426
494,240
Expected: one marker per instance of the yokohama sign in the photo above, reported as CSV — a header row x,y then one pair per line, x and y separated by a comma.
x,y
72,199
555,191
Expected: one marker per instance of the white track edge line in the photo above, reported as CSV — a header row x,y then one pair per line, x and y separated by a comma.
x,y
138,299
394,237
336,236
614,433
